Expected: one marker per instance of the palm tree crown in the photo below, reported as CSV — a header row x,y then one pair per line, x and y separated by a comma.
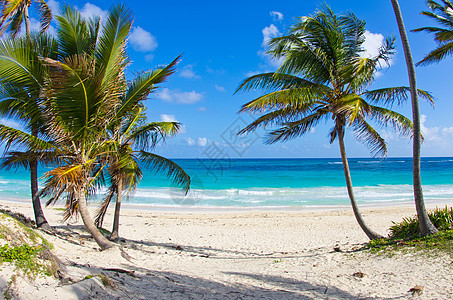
x,y
441,13
324,76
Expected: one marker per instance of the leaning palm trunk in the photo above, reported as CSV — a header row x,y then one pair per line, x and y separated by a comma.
x,y
426,226
116,218
89,224
370,233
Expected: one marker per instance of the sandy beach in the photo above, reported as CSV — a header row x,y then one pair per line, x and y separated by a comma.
x,y
236,255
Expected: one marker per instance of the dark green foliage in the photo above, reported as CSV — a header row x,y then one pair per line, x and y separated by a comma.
x,y
409,227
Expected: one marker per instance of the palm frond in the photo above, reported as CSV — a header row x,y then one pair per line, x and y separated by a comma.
x,y
161,164
296,129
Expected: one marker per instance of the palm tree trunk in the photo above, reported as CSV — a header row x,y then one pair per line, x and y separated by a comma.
x,y
426,226
370,233
27,23
116,218
89,224
40,219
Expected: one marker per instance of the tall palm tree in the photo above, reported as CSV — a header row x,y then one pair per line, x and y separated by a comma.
x,y
83,88
441,13
324,77
14,12
124,166
426,226
22,77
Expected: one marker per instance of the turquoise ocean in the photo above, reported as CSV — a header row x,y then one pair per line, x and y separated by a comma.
x,y
276,183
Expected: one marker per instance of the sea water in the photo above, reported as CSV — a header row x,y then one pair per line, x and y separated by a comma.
x,y
275,183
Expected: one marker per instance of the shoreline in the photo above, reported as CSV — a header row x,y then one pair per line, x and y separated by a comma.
x,y
430,204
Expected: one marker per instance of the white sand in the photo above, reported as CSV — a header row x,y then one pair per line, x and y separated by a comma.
x,y
238,255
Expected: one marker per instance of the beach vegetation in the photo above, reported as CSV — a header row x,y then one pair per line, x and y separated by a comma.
x,y
441,13
324,76
426,226
26,249
405,235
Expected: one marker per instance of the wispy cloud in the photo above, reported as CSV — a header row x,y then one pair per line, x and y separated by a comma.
x,y
90,11
188,72
179,97
277,16
220,88
142,40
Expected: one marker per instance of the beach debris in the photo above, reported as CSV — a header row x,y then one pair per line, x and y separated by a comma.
x,y
417,290
179,248
337,248
358,275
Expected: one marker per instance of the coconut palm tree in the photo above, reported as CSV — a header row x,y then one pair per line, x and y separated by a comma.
x,y
323,77
81,92
124,165
426,226
22,77
130,136
442,13
14,12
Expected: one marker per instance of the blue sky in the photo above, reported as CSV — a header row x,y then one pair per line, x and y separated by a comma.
x,y
222,44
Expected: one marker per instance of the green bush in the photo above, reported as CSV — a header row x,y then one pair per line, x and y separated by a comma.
x,y
409,227
20,253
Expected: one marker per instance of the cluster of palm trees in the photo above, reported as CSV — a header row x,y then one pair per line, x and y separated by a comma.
x,y
82,116
324,76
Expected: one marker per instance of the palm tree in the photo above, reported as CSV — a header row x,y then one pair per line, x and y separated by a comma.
x,y
82,89
442,14
14,12
124,166
22,77
127,131
323,77
426,226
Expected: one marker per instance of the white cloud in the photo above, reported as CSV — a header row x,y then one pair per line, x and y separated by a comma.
x,y
90,11
190,141
187,72
179,97
277,16
220,88
54,6
440,135
141,40
202,142
168,118
202,108
374,41
269,33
